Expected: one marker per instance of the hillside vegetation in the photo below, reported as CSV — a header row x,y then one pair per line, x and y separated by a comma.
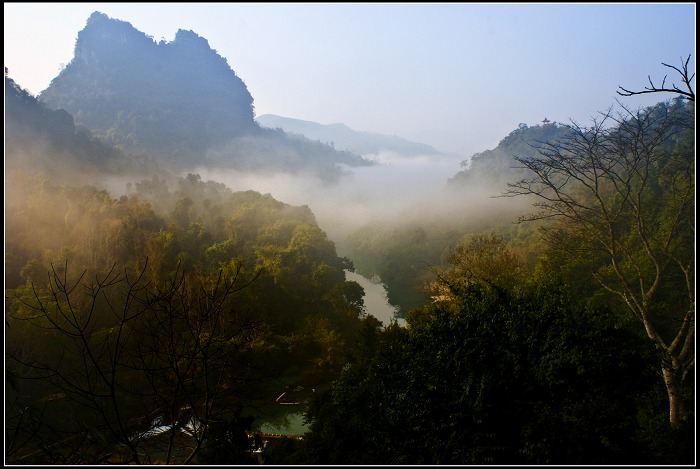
x,y
156,316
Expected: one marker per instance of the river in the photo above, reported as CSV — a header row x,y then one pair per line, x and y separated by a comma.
x,y
376,304
375,298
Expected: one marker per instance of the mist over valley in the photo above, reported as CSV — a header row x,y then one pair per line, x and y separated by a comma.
x,y
182,276
201,121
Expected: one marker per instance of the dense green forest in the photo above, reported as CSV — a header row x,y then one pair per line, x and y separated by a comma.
x,y
610,246
111,305
402,249
181,299
551,322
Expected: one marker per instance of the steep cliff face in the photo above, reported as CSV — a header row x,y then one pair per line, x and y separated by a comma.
x,y
173,100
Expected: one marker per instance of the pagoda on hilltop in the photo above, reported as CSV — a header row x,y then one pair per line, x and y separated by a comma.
x,y
545,122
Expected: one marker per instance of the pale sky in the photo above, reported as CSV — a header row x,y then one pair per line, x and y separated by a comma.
x,y
457,76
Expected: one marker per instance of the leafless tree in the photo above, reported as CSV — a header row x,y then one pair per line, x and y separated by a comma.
x,y
621,195
686,78
124,358
198,355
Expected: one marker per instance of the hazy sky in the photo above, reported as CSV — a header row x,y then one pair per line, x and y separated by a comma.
x,y
459,77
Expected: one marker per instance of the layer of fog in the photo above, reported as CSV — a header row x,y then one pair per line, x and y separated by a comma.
x,y
398,189
363,195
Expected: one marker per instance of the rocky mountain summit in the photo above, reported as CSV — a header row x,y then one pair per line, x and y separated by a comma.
x,y
179,102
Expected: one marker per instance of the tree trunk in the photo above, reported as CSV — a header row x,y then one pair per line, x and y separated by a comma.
x,y
675,400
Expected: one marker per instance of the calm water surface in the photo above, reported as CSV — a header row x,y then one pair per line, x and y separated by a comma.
x,y
376,302
290,420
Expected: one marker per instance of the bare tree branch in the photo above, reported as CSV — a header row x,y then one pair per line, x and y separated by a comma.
x,y
688,92
133,356
625,194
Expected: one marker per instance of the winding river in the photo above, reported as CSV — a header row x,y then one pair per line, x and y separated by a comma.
x,y
375,298
376,304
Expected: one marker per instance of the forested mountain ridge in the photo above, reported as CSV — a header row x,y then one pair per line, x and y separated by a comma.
x,y
252,290
606,260
49,140
179,101
341,136
496,167
181,304
397,250
244,293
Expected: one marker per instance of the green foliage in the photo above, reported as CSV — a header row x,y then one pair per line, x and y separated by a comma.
x,y
39,137
621,198
497,166
400,256
512,377
285,451
518,367
484,259
284,277
401,250
227,442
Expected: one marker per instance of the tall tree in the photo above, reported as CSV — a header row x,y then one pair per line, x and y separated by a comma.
x,y
622,192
